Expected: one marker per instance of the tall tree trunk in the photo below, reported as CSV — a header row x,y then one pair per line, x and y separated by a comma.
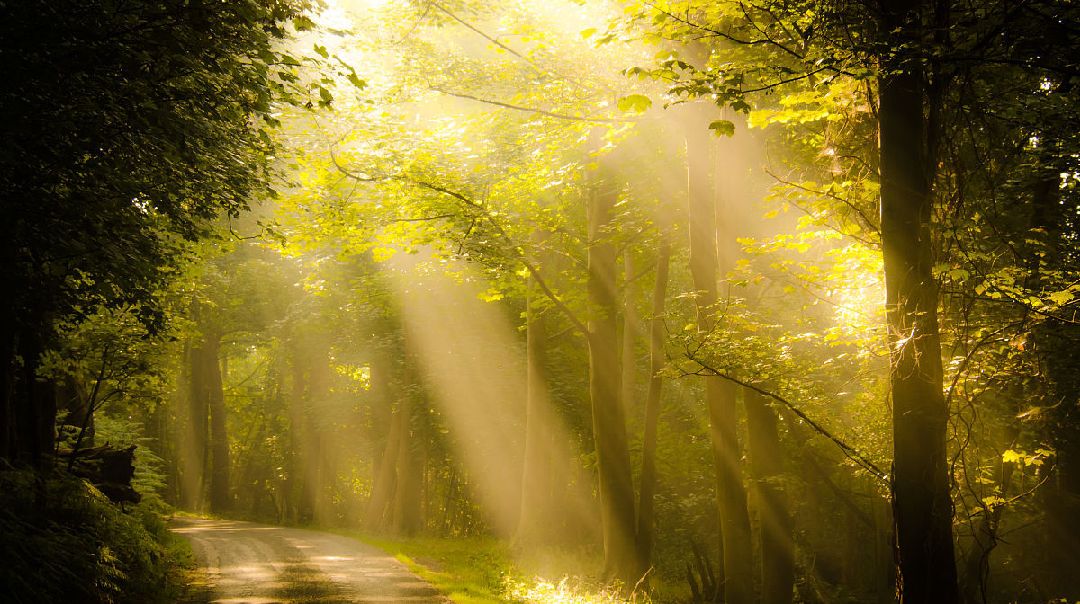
x,y
34,428
922,506
767,464
382,491
382,487
646,521
318,465
628,364
536,493
208,355
198,430
407,494
734,518
296,474
609,418
191,434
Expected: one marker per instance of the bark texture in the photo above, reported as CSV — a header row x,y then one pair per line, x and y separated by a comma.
x,y
922,507
775,535
609,421
646,529
738,582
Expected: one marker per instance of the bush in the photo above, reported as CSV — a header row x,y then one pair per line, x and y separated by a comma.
x,y
63,541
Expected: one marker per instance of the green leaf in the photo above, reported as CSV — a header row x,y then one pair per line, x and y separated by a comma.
x,y
322,51
722,128
303,23
635,103
356,81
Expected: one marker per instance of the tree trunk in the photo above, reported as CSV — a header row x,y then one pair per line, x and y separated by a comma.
x,y
738,582
536,496
922,505
406,509
197,430
646,529
319,475
297,450
382,491
775,538
220,497
609,420
34,429
628,363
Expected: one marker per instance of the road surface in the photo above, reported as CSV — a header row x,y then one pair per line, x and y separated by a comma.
x,y
253,563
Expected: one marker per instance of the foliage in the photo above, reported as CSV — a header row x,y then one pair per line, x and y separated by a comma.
x,y
62,541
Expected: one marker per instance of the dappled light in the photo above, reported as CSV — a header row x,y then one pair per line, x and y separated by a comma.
x,y
540,302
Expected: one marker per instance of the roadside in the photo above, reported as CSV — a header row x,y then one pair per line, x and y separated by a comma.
x,y
257,563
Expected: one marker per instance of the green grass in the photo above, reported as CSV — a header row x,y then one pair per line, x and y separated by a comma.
x,y
479,570
469,571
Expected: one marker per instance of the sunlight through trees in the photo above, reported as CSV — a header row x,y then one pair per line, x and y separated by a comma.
x,y
558,301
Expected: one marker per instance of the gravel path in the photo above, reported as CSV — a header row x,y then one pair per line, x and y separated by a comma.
x,y
261,564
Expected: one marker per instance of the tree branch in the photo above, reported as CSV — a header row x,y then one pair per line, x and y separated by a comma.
x,y
850,452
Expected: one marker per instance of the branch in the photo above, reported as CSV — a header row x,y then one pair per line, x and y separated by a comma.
x,y
578,324
486,37
90,405
850,452
561,116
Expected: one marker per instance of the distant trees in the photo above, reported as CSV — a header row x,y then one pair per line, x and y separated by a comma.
x,y
129,127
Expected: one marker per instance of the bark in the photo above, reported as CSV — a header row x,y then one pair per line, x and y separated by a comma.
x,y
609,421
407,494
646,529
197,430
294,483
220,497
318,466
34,429
922,507
379,514
628,365
385,485
536,492
775,538
734,519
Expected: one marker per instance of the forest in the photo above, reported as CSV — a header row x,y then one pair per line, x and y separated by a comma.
x,y
553,301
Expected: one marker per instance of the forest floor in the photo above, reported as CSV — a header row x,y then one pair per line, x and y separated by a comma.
x,y
262,564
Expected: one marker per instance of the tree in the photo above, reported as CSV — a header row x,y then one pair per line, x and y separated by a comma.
x,y
922,505
609,415
130,127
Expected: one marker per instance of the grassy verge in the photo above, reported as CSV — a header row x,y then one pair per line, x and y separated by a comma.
x,y
468,571
188,582
487,571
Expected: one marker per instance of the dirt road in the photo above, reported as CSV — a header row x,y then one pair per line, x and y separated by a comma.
x,y
260,564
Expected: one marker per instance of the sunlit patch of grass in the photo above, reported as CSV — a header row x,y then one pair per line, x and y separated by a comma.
x,y
487,571
568,590
468,571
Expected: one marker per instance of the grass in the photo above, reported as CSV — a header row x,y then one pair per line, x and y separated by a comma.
x,y
473,570
483,570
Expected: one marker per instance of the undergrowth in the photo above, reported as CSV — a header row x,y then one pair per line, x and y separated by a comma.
x,y
61,540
